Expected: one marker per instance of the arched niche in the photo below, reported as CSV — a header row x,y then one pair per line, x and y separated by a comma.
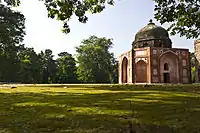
x,y
124,70
169,68
141,72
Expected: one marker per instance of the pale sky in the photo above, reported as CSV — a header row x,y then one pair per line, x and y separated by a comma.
x,y
120,22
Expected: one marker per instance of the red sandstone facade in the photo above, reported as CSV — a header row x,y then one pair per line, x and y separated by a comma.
x,y
155,64
197,57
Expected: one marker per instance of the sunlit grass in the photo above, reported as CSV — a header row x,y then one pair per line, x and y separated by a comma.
x,y
100,109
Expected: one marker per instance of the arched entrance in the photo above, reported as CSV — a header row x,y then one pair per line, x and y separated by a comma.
x,y
166,73
124,70
169,72
141,72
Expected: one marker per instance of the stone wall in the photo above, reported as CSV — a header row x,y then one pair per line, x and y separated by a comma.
x,y
197,56
142,72
179,65
146,65
128,73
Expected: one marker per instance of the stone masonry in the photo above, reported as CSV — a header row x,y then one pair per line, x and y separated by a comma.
x,y
197,56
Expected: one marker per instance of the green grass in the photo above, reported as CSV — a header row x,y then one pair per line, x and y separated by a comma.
x,y
100,109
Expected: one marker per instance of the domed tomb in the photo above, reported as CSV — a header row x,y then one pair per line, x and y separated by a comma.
x,y
152,36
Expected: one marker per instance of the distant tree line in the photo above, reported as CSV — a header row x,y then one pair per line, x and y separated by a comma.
x,y
93,63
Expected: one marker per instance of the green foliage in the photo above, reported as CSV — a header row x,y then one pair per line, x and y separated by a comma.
x,y
193,68
48,66
64,9
30,70
193,72
22,64
114,71
192,59
11,2
183,15
66,68
12,25
95,62
9,63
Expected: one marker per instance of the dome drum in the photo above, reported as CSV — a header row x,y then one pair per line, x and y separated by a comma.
x,y
164,43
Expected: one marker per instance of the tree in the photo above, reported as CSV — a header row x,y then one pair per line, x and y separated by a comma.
x,y
95,62
12,25
11,33
184,16
30,67
9,63
193,73
64,9
66,68
192,59
114,71
48,66
193,67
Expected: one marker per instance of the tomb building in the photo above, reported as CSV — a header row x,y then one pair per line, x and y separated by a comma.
x,y
153,60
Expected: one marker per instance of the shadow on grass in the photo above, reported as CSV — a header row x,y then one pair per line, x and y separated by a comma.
x,y
168,87
146,108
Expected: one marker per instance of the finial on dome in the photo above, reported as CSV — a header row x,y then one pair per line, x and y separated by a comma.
x,y
151,21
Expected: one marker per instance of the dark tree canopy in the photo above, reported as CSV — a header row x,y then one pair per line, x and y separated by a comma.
x,y
30,67
11,33
11,2
183,15
12,25
66,68
95,64
48,66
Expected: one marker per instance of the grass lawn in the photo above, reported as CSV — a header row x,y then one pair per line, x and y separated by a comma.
x,y
100,109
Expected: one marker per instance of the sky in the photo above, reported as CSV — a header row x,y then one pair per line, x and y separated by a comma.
x,y
120,22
